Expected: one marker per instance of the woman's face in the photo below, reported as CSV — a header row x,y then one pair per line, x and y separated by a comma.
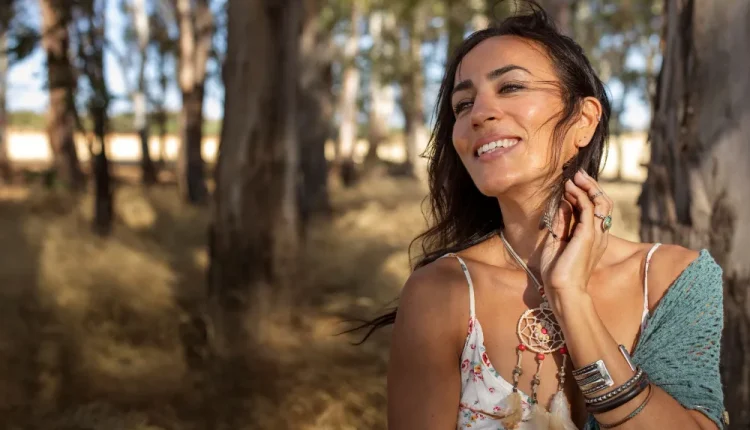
x,y
506,103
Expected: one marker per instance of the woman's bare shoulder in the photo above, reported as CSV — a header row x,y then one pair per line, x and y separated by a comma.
x,y
438,284
434,301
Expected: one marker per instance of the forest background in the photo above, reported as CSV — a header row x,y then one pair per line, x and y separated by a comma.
x,y
196,195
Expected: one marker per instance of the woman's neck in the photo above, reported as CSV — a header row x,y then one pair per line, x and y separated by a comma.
x,y
521,220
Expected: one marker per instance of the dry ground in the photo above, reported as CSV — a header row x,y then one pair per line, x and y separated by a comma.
x,y
96,334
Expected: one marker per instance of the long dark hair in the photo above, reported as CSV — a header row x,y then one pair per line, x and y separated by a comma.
x,y
459,214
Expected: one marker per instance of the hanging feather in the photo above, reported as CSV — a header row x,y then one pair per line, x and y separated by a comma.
x,y
539,418
514,411
559,412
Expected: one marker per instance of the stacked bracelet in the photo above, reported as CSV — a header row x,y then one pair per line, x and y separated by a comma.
x,y
631,415
604,397
624,397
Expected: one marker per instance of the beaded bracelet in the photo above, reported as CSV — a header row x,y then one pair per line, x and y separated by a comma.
x,y
632,415
636,377
615,403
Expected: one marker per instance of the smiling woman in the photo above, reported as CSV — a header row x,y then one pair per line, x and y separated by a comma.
x,y
522,123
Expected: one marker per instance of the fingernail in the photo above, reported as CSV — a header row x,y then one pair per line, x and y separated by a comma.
x,y
583,172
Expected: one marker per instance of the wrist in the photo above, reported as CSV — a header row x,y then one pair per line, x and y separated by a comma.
x,y
570,302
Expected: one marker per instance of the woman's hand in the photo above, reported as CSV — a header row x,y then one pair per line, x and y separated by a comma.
x,y
569,259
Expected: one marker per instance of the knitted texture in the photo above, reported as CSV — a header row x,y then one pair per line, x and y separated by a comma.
x,y
680,347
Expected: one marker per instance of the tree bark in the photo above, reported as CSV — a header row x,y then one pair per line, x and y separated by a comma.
x,y
92,40
6,173
696,193
191,166
348,99
255,227
61,121
196,30
314,113
140,106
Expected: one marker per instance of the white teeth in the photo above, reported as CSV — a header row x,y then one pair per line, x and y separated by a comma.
x,y
489,147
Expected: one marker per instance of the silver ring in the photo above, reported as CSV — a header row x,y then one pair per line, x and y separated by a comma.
x,y
597,194
606,221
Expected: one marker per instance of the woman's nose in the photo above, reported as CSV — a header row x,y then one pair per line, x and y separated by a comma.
x,y
484,111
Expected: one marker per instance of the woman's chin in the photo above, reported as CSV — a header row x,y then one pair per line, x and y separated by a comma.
x,y
494,188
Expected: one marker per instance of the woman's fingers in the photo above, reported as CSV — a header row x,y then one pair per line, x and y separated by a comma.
x,y
581,200
603,204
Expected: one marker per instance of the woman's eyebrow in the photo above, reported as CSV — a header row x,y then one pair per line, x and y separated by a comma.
x,y
495,74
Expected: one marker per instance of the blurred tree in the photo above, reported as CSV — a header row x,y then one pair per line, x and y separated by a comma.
x,y
253,240
348,107
382,26
458,14
89,23
140,106
315,108
561,12
412,85
6,15
696,192
165,48
137,39
61,125
611,33
196,30
455,22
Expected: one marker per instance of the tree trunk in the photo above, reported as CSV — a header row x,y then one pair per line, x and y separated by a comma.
x,y
160,116
348,99
456,24
314,113
255,227
61,121
103,207
140,107
695,193
382,97
413,93
561,11
92,40
6,173
190,160
196,30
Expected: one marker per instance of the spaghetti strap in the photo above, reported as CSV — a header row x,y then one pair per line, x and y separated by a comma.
x,y
468,280
650,254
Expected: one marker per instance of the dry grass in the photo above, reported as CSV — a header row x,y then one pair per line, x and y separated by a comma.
x,y
103,334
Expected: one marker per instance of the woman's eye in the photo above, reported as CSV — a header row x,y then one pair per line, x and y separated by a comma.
x,y
510,88
461,106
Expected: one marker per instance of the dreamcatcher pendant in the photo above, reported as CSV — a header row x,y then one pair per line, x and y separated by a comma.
x,y
539,333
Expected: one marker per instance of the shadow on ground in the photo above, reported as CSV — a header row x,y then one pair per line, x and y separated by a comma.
x,y
108,334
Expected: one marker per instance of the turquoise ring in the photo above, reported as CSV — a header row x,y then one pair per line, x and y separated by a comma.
x,y
606,221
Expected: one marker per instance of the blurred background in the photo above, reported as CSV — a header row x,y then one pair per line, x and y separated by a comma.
x,y
197,195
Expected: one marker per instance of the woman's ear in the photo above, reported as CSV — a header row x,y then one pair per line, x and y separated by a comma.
x,y
591,113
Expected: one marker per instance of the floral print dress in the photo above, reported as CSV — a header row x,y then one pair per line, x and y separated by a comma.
x,y
483,390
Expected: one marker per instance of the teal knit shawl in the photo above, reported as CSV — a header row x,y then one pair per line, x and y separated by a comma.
x,y
679,349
